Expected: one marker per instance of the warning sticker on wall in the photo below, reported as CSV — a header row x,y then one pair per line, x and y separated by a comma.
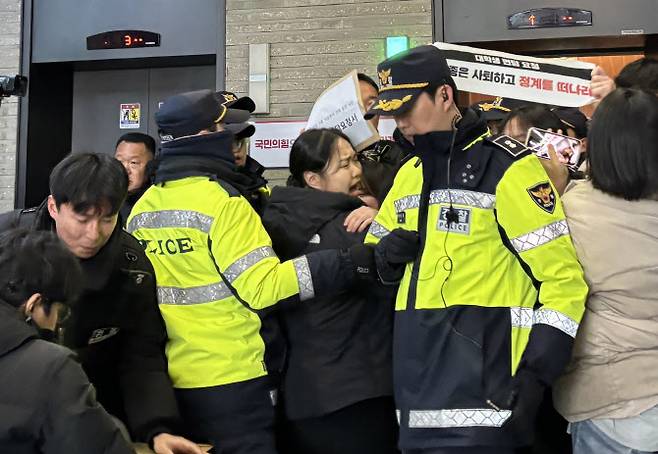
x,y
130,115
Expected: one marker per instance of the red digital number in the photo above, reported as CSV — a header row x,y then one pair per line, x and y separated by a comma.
x,y
127,40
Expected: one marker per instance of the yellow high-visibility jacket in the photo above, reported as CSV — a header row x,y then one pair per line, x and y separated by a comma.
x,y
496,289
214,267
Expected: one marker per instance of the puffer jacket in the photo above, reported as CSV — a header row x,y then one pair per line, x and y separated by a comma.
x,y
614,368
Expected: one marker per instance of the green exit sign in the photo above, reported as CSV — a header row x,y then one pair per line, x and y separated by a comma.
x,y
396,44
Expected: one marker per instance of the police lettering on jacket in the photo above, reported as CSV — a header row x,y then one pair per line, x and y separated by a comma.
x,y
170,246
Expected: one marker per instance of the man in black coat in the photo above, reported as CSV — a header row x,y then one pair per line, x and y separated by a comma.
x,y
117,330
47,405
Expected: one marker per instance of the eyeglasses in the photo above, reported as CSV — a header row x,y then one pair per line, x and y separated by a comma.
x,y
63,310
239,143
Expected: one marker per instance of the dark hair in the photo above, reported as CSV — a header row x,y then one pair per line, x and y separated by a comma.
x,y
572,118
37,262
138,137
433,87
312,151
535,115
623,159
379,166
367,79
642,73
89,180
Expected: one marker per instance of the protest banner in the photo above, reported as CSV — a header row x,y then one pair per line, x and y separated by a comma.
x,y
542,80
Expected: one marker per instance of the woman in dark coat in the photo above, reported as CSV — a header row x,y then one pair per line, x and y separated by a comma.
x,y
47,405
337,384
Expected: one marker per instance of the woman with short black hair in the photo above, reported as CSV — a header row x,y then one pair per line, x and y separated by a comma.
x,y
609,392
337,384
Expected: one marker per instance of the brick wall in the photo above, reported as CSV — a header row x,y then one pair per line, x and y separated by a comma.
x,y
10,38
314,42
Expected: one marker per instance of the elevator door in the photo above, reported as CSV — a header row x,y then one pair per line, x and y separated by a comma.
x,y
98,97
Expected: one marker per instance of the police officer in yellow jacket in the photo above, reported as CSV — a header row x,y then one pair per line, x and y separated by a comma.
x,y
487,312
215,268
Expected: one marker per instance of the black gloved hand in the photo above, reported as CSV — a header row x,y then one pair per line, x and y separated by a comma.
x,y
524,401
393,252
399,247
363,261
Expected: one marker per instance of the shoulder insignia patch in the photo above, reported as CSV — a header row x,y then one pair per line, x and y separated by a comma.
x,y
542,194
510,145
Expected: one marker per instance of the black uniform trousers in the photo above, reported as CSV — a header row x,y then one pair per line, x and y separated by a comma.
x,y
469,450
366,427
237,418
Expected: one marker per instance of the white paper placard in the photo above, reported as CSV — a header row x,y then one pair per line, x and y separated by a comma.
x,y
339,106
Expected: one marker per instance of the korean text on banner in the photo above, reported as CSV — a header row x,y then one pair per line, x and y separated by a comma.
x,y
542,80
340,107
270,144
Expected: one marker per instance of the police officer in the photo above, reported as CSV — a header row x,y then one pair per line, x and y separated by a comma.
x,y
495,111
116,329
247,166
215,269
487,312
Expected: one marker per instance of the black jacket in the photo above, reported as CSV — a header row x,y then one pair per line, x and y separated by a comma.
x,y
339,347
46,402
130,202
117,330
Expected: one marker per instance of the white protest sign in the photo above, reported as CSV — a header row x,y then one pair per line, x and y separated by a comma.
x,y
386,128
270,144
543,80
340,107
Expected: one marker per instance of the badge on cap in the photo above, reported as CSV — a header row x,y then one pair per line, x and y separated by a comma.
x,y
229,97
496,104
542,194
391,104
385,78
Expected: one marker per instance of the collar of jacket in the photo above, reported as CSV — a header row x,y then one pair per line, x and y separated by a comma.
x,y
97,269
14,332
253,167
217,145
208,155
471,128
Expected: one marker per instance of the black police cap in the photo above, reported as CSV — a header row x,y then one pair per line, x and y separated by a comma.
x,y
499,108
188,113
403,78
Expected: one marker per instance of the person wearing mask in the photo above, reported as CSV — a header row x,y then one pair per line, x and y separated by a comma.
x,y
609,391
250,170
116,331
337,383
488,308
136,152
47,405
215,269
